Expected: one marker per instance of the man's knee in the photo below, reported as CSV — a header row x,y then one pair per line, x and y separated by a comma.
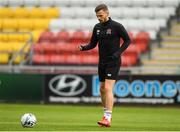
x,y
102,88
109,84
107,89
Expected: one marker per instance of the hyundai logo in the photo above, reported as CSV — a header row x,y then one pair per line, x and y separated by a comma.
x,y
67,85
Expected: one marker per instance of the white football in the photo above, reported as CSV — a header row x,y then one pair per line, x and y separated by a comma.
x,y
28,120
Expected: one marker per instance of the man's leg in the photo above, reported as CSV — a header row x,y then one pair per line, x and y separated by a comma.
x,y
109,85
101,73
103,97
106,91
109,101
110,79
103,94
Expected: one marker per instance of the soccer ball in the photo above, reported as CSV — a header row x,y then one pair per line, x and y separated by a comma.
x,y
28,120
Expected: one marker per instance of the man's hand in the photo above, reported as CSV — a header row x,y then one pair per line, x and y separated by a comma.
x,y
81,47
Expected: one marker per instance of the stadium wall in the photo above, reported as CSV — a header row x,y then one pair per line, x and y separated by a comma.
x,y
21,87
76,88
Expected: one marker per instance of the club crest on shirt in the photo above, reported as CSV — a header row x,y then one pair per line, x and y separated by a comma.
x,y
108,31
98,31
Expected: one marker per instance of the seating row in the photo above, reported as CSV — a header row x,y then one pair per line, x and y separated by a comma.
x,y
25,12
24,24
84,37
112,3
85,12
21,37
54,59
119,12
132,25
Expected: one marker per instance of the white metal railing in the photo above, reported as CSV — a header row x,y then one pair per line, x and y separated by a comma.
x,y
22,50
87,70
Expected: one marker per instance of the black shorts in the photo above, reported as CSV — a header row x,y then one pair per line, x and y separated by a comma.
x,y
109,70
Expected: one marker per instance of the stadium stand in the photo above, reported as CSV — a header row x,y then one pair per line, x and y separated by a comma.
x,y
58,26
167,55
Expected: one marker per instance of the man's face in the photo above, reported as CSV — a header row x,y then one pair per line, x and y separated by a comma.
x,y
102,16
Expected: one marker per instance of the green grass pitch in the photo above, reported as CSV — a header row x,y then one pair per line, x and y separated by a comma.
x,y
84,118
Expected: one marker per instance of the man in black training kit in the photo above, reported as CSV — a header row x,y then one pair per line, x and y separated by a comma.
x,y
107,34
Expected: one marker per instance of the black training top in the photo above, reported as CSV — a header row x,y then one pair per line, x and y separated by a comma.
x,y
108,36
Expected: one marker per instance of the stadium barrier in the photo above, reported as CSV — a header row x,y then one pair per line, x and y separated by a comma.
x,y
78,88
141,89
21,87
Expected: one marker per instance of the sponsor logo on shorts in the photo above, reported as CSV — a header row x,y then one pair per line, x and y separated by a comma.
x,y
109,75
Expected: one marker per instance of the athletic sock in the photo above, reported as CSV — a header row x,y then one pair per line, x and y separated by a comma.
x,y
105,109
108,115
